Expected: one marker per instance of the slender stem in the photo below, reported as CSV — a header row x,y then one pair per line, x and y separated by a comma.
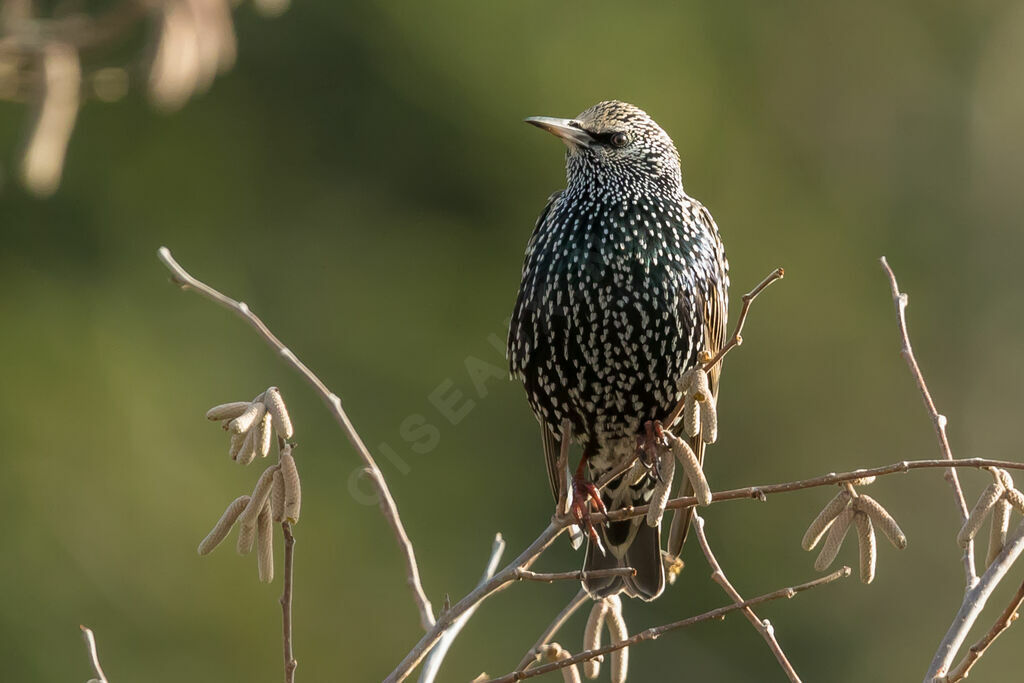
x,y
286,603
485,590
578,575
553,627
719,577
761,492
432,664
736,339
974,601
654,633
1009,615
900,300
183,279
94,657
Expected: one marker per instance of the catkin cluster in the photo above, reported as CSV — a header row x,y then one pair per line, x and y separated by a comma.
x,y
997,500
847,509
673,448
277,496
700,415
606,613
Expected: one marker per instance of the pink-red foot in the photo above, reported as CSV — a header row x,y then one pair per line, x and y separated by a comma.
x,y
650,443
583,494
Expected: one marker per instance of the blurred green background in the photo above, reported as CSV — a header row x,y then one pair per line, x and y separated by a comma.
x,y
363,180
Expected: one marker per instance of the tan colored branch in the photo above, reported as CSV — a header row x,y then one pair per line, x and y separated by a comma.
x,y
719,577
183,279
286,603
578,600
900,299
654,633
578,575
1009,615
94,657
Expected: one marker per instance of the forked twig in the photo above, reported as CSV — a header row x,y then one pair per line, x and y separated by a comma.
x,y
654,633
183,279
549,633
1009,615
286,602
900,300
719,577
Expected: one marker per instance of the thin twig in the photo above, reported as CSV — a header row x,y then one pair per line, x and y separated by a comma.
x,y
94,657
900,300
1009,615
974,601
485,590
553,627
719,577
182,278
736,339
761,492
286,603
432,664
578,575
653,633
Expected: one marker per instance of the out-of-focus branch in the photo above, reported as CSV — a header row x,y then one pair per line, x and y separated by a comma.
x,y
974,601
286,603
653,633
719,577
1009,615
549,633
900,300
183,279
432,664
94,657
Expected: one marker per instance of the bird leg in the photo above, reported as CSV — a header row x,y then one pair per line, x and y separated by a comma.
x,y
583,494
650,445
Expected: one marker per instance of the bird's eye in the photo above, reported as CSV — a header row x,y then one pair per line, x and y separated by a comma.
x,y
619,139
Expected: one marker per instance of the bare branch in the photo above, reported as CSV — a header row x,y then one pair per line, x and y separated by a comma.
x,y
387,503
578,575
1009,615
94,657
736,338
901,300
974,601
719,577
433,662
653,633
553,627
286,603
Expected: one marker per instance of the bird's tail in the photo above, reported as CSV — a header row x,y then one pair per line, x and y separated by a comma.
x,y
639,547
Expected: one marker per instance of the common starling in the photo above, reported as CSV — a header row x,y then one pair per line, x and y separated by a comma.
x,y
625,282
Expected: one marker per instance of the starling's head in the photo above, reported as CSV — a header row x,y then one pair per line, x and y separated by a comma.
x,y
614,141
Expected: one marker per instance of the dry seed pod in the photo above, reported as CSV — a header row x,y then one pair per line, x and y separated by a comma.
x,y
227,411
247,453
279,412
692,469
592,638
570,674
981,509
264,436
691,415
617,633
1015,498
866,540
260,493
1002,476
265,543
824,519
236,445
881,518
834,540
244,422
863,481
699,388
292,487
246,536
997,534
223,525
662,489
277,497
709,421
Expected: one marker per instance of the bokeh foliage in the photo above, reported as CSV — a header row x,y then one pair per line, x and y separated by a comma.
x,y
363,180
